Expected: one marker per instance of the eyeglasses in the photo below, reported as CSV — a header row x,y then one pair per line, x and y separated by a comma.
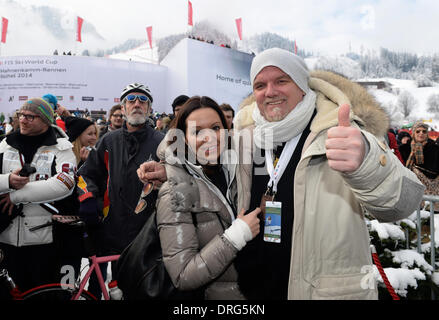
x,y
133,97
117,115
28,117
421,131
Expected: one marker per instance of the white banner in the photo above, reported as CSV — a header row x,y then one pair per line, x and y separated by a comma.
x,y
201,68
192,68
77,82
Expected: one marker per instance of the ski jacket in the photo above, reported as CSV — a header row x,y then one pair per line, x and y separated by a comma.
x,y
109,173
53,180
192,215
330,254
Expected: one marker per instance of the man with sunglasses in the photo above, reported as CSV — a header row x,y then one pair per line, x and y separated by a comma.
x,y
110,173
45,150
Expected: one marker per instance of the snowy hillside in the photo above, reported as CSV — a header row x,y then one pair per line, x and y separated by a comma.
x,y
387,97
142,53
389,100
341,64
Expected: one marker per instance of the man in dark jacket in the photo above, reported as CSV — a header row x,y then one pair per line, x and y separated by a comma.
x,y
115,118
109,173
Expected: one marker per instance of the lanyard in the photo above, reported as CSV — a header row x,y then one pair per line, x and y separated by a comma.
x,y
276,173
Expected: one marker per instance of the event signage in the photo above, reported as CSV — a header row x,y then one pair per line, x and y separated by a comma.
x,y
77,82
192,67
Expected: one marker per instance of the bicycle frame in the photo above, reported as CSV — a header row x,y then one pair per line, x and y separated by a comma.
x,y
94,266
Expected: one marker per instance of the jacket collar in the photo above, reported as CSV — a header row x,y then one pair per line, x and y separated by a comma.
x,y
18,141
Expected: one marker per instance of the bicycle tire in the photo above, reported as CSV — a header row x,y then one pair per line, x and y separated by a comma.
x,y
55,292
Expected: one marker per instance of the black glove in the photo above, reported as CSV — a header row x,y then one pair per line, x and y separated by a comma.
x,y
89,212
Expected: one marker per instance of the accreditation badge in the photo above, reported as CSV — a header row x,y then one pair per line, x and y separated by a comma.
x,y
272,219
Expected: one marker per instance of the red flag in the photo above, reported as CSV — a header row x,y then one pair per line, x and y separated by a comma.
x,y
149,32
4,29
190,12
239,27
78,32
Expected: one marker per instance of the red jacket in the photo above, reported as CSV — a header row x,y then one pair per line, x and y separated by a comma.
x,y
394,146
60,123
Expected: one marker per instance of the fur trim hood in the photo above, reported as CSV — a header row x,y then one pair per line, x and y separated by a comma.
x,y
332,90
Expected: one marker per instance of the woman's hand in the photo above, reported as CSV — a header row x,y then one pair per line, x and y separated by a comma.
x,y
251,219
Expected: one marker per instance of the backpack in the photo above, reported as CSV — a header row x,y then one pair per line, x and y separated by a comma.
x,y
140,270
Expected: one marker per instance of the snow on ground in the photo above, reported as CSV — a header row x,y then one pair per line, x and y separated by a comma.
x,y
424,215
421,95
387,230
142,53
409,258
401,278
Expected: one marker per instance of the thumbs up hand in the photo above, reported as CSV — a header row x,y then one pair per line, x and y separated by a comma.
x,y
345,145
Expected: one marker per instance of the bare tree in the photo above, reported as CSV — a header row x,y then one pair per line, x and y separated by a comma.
x,y
406,103
433,103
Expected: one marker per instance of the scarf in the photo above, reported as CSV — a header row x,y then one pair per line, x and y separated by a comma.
x,y
417,154
266,134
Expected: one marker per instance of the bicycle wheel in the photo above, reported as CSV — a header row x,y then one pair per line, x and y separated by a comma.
x,y
55,292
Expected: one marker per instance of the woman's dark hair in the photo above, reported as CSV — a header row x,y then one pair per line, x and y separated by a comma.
x,y
196,103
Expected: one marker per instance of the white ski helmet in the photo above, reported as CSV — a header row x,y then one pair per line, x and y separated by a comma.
x,y
135,87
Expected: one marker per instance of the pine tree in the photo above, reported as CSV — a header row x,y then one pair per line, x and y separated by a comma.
x,y
408,271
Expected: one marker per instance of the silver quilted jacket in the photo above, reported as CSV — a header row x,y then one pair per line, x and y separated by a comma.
x,y
197,255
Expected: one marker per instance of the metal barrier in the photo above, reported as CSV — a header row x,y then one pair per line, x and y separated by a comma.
x,y
432,199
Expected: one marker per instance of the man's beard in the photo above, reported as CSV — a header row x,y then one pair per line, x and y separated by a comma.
x,y
136,119
276,115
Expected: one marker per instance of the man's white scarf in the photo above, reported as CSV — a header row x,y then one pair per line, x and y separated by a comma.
x,y
266,134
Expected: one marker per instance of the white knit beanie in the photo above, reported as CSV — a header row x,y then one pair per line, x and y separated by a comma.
x,y
288,62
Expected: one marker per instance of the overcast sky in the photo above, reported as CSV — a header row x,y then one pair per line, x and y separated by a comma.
x,y
326,27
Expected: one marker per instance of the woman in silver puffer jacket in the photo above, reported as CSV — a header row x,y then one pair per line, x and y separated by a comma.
x,y
200,231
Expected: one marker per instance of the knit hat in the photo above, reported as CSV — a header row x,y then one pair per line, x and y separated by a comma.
x,y
40,107
403,134
288,62
52,100
75,126
180,100
419,124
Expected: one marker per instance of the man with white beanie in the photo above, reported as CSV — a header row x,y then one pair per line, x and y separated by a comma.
x,y
317,162
312,156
